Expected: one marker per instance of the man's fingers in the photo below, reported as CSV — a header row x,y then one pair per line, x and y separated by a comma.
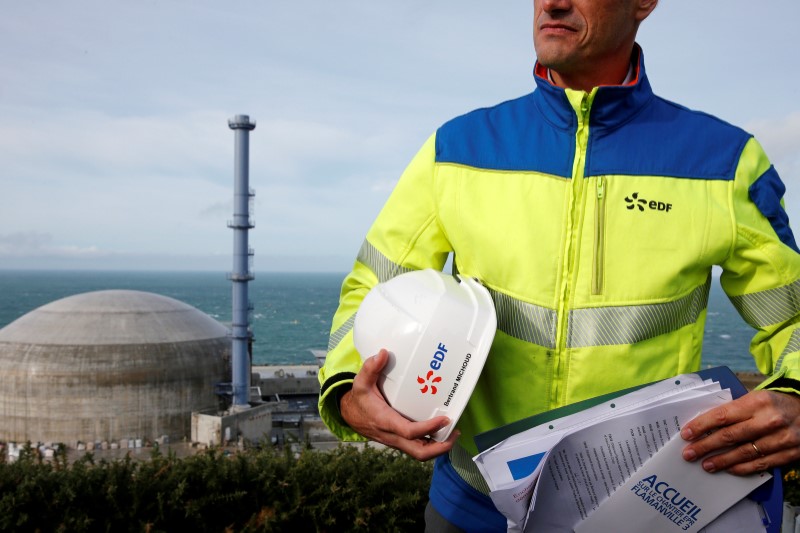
x,y
430,448
722,416
761,464
423,449
371,370
414,438
723,429
751,457
373,365
751,434
742,420
426,428
719,440
393,422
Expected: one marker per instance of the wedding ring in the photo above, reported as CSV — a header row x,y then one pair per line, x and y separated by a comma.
x,y
753,444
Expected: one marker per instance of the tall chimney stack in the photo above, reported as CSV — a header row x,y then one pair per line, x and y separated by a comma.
x,y
241,333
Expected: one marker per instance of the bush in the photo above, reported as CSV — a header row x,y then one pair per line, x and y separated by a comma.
x,y
347,489
268,490
791,484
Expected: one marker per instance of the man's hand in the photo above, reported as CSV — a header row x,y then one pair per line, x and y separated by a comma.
x,y
364,408
760,430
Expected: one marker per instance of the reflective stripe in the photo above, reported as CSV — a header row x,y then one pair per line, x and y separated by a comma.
x,y
337,336
525,321
634,323
465,467
773,306
587,327
598,326
383,268
792,346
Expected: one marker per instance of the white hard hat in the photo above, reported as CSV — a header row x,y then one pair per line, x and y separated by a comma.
x,y
437,331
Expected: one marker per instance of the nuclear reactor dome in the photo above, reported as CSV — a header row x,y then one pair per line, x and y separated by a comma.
x,y
108,365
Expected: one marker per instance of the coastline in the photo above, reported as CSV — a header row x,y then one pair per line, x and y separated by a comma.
x,y
750,379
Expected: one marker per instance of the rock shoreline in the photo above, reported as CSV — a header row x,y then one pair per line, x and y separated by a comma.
x,y
750,379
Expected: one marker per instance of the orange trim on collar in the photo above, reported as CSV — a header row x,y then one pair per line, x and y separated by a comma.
x,y
636,60
541,71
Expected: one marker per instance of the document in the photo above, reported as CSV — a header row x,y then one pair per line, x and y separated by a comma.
x,y
669,494
598,469
498,463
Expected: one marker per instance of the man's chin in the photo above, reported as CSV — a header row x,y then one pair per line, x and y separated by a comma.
x,y
553,57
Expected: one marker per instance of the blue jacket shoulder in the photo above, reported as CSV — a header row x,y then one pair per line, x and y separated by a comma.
x,y
501,137
667,139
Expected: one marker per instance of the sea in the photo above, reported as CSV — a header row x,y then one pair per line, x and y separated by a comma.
x,y
293,311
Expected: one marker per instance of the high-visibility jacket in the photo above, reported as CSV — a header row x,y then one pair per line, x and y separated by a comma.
x,y
594,220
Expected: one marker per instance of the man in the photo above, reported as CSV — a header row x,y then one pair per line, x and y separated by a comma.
x,y
593,212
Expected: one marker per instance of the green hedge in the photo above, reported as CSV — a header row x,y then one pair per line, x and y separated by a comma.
x,y
791,484
346,489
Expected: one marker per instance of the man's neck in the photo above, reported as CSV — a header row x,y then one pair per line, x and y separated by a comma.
x,y
587,82
607,70
554,78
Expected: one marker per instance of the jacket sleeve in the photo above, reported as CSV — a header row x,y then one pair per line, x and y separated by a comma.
x,y
405,236
761,274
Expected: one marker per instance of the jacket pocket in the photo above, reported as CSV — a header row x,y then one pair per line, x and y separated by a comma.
x,y
598,265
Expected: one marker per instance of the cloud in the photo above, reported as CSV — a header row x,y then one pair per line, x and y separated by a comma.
x,y
37,244
780,137
23,242
102,145
140,213
78,251
217,210
308,151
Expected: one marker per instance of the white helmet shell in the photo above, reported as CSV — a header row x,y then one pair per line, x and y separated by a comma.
x,y
437,331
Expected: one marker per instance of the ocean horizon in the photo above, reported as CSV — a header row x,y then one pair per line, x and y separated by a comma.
x,y
293,311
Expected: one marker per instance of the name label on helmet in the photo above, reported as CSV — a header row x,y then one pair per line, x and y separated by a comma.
x,y
438,357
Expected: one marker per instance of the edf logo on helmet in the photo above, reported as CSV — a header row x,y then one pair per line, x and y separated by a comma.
x,y
436,364
438,357
634,201
428,381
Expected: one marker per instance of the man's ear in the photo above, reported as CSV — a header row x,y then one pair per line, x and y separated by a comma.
x,y
644,8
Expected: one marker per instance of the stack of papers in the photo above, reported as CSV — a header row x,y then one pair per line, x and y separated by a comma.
x,y
617,466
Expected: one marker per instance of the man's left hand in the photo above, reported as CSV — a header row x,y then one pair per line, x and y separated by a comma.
x,y
754,433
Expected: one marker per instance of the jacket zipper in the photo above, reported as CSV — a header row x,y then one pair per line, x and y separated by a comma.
x,y
582,108
599,237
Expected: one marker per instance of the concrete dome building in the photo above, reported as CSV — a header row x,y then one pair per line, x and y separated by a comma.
x,y
106,366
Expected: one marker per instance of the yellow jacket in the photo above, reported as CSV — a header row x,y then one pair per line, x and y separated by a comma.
x,y
594,220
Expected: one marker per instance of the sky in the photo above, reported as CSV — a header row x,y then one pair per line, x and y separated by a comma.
x,y
115,151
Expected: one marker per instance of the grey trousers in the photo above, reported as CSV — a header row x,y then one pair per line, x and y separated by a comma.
x,y
436,523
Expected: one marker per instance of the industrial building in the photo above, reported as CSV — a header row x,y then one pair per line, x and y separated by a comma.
x,y
108,366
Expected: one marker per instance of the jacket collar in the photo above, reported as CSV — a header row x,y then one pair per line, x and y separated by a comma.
x,y
613,104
